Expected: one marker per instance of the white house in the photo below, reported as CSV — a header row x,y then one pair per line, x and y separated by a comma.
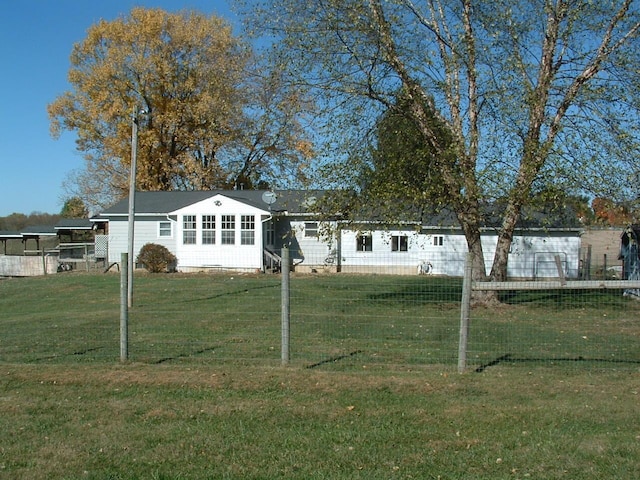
x,y
442,251
246,230
203,229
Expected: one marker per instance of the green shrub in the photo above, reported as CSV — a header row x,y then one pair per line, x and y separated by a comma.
x,y
156,258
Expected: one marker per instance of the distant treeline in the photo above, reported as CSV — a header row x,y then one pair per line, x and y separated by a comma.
x,y
18,221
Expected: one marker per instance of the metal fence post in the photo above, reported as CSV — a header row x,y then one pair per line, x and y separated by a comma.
x,y
285,269
465,307
124,307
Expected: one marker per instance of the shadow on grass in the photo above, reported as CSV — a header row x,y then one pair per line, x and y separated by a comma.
x,y
433,290
334,359
77,353
183,355
227,294
509,358
561,299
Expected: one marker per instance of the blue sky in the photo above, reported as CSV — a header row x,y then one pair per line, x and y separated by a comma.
x,y
36,38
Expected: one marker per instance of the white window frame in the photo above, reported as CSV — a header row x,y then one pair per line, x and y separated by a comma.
x,y
311,229
399,243
228,230
364,242
247,229
189,229
208,233
163,231
438,240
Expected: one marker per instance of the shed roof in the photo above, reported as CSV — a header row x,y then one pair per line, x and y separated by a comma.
x,y
74,224
38,231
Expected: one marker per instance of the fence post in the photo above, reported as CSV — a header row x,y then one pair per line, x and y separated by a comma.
x,y
558,261
44,262
465,307
286,270
124,307
587,266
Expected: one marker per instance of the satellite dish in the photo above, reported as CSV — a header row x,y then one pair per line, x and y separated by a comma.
x,y
309,202
269,197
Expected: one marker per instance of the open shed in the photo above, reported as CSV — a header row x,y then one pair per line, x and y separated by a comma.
x,y
37,234
6,236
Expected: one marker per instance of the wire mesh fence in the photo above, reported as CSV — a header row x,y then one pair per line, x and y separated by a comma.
x,y
568,326
337,321
374,319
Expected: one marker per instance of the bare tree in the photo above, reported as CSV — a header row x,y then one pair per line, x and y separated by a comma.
x,y
533,91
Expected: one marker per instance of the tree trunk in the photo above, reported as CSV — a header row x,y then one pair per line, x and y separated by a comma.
x,y
469,220
505,237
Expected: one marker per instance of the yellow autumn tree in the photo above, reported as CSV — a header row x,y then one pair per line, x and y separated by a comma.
x,y
186,80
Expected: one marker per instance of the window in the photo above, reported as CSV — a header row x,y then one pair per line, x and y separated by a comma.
x,y
164,230
399,243
271,233
364,243
247,229
438,240
208,229
228,230
311,229
189,229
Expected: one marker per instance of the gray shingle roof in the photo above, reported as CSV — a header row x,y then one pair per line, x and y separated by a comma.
x,y
302,201
74,224
166,202
38,230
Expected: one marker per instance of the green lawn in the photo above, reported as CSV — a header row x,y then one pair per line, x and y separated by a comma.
x,y
175,422
337,321
371,391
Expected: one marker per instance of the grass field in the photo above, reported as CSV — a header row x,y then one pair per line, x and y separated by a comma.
x,y
371,391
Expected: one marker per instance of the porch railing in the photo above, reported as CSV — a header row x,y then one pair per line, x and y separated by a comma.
x,y
272,261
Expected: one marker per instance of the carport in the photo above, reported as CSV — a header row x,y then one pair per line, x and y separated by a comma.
x,y
5,236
